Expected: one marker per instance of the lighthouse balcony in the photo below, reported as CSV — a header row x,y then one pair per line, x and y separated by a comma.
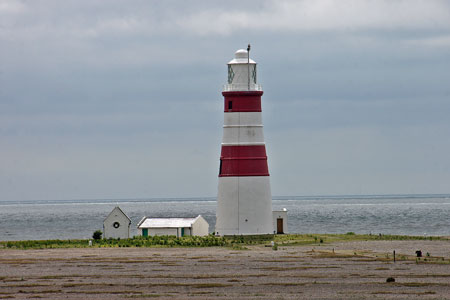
x,y
242,87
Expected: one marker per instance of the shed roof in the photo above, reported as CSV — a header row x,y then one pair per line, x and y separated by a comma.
x,y
167,222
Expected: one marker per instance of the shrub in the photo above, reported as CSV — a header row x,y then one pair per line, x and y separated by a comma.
x,y
97,235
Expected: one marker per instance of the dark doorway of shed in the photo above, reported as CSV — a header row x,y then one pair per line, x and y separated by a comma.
x,y
144,231
280,226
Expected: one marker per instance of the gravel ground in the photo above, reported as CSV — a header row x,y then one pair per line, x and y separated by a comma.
x,y
353,270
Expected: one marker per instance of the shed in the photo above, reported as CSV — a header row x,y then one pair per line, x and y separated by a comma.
x,y
116,225
173,226
279,221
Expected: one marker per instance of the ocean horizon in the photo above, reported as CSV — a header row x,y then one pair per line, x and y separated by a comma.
x,y
404,214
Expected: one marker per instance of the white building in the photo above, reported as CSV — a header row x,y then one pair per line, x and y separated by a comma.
x,y
116,225
244,199
280,221
173,226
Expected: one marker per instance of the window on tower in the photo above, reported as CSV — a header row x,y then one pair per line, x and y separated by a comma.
x,y
230,105
230,74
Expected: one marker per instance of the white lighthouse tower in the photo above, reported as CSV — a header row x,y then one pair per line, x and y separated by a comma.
x,y
244,200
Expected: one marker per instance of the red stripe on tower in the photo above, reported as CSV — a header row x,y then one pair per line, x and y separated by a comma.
x,y
243,161
247,101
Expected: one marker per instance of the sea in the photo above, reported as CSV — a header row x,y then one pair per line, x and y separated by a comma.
x,y
424,215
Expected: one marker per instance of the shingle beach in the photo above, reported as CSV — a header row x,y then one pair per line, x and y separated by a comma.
x,y
350,270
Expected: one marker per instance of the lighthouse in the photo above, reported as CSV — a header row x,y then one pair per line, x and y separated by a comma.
x,y
244,200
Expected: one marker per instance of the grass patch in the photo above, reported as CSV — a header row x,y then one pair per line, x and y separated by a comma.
x,y
234,242
145,296
427,275
305,239
403,293
278,268
420,284
201,293
137,241
208,285
26,285
285,283
40,292
105,292
211,260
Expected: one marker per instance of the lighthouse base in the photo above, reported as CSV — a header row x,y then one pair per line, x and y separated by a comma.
x,y
244,206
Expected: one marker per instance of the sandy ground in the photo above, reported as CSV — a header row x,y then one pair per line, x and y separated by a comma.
x,y
354,270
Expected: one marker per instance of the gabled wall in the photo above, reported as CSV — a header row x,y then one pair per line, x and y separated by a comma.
x,y
122,231
200,227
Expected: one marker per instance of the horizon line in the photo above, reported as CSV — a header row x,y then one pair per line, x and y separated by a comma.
x,y
215,197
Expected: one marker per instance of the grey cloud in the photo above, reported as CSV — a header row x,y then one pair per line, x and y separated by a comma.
x,y
123,99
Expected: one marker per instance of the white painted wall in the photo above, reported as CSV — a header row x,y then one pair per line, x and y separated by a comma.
x,y
280,214
243,128
227,212
123,231
244,206
200,227
244,134
162,231
245,118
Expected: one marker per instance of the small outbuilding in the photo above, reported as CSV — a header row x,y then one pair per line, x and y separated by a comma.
x,y
116,225
173,226
279,221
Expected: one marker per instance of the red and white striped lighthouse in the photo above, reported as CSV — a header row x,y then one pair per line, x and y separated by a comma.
x,y
244,200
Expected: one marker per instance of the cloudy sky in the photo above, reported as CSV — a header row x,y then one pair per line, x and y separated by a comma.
x,y
122,99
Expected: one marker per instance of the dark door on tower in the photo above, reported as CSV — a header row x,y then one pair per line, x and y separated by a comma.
x,y
280,226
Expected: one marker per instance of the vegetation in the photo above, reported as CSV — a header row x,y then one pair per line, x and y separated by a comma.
x,y
308,239
275,247
138,241
234,242
97,235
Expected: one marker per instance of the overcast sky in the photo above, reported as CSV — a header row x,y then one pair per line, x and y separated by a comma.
x,y
122,99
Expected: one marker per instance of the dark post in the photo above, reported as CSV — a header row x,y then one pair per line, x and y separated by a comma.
x,y
248,66
394,255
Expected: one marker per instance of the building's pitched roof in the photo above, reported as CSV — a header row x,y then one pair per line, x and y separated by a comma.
x,y
141,221
120,211
167,222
